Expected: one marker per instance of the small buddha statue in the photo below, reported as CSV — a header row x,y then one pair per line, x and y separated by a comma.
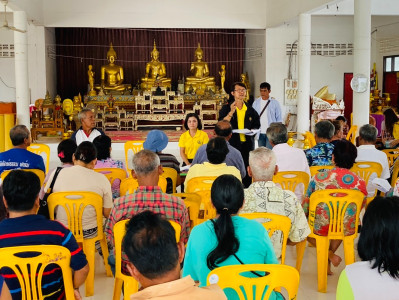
x,y
57,103
90,75
154,71
47,99
222,74
245,80
114,81
200,81
77,104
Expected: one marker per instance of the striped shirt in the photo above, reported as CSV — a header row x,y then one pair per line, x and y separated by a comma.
x,y
37,230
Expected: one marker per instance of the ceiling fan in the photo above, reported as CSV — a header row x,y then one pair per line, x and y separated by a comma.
x,y
5,23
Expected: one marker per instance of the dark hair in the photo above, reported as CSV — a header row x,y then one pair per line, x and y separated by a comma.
x,y
277,133
324,130
227,194
341,118
103,145
195,116
233,87
18,134
216,150
337,126
265,85
390,119
86,152
65,150
224,130
150,244
20,189
345,154
379,238
368,133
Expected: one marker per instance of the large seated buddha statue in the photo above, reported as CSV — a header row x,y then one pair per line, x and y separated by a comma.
x,y
155,72
112,76
200,81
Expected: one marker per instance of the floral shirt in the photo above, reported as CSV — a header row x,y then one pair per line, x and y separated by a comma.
x,y
337,178
320,155
110,163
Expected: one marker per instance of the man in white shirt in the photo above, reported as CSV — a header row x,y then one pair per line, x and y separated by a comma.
x,y
87,132
367,152
269,112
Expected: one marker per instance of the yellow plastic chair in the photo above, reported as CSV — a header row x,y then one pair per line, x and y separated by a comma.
x,y
364,170
273,223
172,174
29,270
252,288
74,204
131,148
337,206
130,285
395,173
202,186
310,137
129,185
392,155
316,169
38,172
193,204
289,180
351,136
43,150
113,174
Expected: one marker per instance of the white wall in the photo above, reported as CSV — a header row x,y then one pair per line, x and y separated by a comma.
x,y
51,69
7,68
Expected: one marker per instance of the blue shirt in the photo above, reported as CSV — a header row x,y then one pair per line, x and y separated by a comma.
x,y
255,248
273,110
18,158
320,155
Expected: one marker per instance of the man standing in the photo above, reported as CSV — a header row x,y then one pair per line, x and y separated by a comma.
x,y
19,157
24,228
86,132
233,158
241,116
269,112
149,235
264,196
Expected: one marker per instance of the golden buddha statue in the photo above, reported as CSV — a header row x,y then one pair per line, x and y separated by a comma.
x,y
222,74
57,102
155,72
90,74
114,73
77,104
47,99
245,80
200,81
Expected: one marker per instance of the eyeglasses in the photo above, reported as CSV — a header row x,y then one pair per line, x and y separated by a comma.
x,y
240,91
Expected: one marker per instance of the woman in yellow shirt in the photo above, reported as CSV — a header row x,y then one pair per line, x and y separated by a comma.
x,y
192,139
391,129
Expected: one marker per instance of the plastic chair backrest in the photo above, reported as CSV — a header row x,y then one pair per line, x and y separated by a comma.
x,y
316,169
74,204
337,201
254,287
392,155
289,180
172,174
38,172
193,204
395,173
310,137
351,136
131,148
130,285
112,173
273,223
202,186
365,169
29,270
43,150
129,185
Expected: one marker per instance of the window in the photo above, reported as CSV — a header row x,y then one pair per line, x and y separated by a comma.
x,y
391,63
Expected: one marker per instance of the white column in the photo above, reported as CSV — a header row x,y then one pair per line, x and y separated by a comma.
x,y
361,59
303,118
21,69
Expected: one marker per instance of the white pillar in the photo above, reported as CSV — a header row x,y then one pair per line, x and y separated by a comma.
x,y
361,59
303,118
21,69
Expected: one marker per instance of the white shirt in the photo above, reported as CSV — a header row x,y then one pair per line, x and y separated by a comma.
x,y
264,122
82,137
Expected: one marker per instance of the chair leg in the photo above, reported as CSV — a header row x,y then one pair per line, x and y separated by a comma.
x,y
322,246
349,250
130,286
89,249
117,289
104,248
300,251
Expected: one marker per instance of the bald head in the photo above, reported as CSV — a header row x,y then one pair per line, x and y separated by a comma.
x,y
262,163
223,129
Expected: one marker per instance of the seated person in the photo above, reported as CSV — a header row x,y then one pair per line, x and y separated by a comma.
x,y
150,235
24,227
156,141
376,276
228,239
340,177
104,160
265,196
216,150
82,177
338,131
321,154
88,130
19,157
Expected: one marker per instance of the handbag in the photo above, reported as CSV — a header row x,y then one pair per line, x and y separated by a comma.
x,y
43,209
